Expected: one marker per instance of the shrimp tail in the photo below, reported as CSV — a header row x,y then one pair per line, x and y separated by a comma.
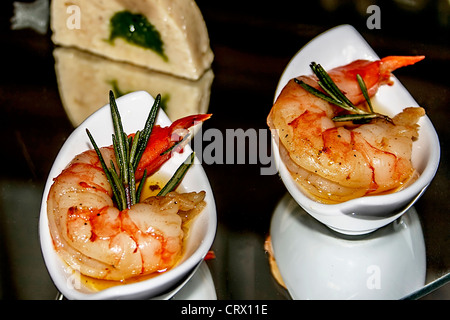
x,y
162,141
189,121
391,63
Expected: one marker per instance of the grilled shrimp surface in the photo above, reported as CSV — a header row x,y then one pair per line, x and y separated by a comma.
x,y
98,240
336,162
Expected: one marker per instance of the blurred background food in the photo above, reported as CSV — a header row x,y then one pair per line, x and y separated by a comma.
x,y
84,79
165,35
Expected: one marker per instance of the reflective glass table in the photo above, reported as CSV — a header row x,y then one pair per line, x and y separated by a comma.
x,y
253,41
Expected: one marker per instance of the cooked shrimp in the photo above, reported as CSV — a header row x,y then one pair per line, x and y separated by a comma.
x,y
335,162
97,239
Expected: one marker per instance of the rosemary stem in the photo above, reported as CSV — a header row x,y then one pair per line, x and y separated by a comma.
x,y
141,186
363,87
146,132
332,94
177,176
119,135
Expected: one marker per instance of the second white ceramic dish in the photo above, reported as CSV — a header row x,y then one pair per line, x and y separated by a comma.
x,y
317,263
336,47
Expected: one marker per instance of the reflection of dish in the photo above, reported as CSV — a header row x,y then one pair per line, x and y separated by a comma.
x,y
83,79
134,109
333,48
199,287
317,263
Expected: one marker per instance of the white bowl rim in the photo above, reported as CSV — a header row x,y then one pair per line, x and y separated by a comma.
x,y
183,268
349,206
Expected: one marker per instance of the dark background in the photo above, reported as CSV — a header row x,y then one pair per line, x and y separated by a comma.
x,y
253,41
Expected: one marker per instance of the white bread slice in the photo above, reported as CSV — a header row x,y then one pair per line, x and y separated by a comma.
x,y
84,80
86,24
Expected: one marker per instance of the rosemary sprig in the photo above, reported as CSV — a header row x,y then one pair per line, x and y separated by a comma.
x,y
335,96
128,152
363,87
178,176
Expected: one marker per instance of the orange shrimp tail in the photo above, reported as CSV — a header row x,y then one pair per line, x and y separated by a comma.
x,y
391,63
162,140
189,121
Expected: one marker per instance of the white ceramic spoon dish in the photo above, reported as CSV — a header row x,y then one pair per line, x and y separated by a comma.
x,y
317,263
336,47
134,109
199,287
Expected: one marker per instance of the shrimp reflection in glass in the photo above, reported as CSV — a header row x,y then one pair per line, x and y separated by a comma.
x,y
333,143
98,237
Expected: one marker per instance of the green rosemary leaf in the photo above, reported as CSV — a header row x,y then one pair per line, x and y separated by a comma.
x,y
127,148
146,132
363,87
104,167
132,186
327,84
117,187
315,92
325,81
333,96
177,176
175,145
361,118
119,160
385,117
134,145
120,136
121,199
141,186
355,117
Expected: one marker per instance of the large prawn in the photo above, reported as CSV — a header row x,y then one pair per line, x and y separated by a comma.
x,y
97,239
334,162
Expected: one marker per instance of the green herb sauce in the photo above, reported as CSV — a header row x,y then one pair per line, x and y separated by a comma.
x,y
115,88
164,100
118,92
136,29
